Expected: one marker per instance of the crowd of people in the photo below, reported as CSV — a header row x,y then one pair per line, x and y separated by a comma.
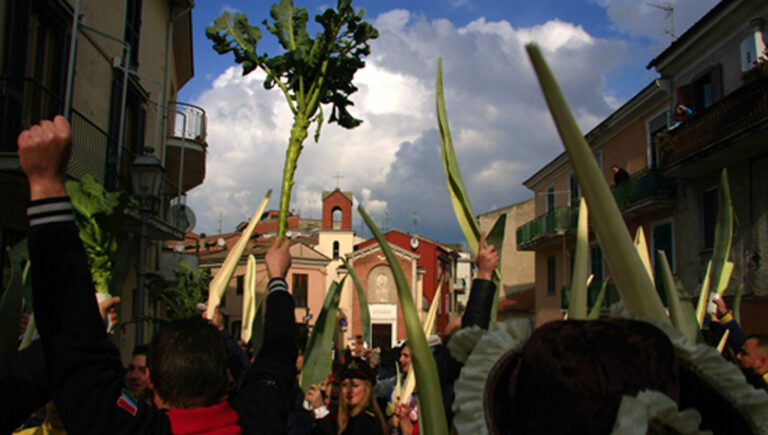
x,y
193,377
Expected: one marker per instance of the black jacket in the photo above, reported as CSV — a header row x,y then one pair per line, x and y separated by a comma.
x,y
85,372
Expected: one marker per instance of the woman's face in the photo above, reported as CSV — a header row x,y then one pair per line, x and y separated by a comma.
x,y
353,390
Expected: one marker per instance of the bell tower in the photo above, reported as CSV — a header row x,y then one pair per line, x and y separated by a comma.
x,y
337,210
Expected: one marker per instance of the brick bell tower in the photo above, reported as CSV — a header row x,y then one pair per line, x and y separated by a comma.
x,y
337,201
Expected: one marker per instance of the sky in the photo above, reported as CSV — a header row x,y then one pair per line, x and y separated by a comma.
x,y
502,131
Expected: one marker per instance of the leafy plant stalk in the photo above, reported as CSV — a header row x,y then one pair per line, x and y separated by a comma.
x,y
310,72
638,293
432,414
577,302
365,314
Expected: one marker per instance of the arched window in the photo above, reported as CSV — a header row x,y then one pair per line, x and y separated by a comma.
x,y
336,250
336,216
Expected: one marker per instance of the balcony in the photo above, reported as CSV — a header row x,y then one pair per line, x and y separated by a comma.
x,y
185,147
545,227
645,191
24,102
733,128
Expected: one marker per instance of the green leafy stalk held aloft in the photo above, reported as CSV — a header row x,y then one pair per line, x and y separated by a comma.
x,y
432,414
317,354
99,216
365,313
721,249
577,302
310,72
459,197
638,294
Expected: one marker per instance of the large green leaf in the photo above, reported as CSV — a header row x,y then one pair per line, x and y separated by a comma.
x,y
459,197
597,308
495,238
737,303
577,302
432,414
638,293
365,313
249,299
642,250
680,309
317,355
721,270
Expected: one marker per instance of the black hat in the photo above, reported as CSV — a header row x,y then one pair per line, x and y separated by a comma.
x,y
358,368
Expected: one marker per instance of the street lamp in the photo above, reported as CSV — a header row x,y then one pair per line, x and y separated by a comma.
x,y
146,177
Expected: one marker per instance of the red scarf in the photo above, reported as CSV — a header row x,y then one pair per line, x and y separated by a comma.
x,y
219,419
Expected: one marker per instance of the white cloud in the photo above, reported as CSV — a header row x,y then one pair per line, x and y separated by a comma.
x,y
501,128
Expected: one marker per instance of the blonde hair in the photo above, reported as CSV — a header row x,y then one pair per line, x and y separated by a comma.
x,y
368,402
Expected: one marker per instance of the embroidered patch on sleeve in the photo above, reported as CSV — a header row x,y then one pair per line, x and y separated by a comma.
x,y
127,402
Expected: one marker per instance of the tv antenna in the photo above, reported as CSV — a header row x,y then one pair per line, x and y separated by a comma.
x,y
669,10
220,214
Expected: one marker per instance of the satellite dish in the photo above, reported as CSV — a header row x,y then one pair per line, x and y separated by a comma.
x,y
221,242
414,242
182,217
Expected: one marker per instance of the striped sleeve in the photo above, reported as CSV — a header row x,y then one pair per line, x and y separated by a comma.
x,y
277,284
50,210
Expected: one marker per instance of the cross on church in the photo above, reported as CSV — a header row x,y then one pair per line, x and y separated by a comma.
x,y
337,177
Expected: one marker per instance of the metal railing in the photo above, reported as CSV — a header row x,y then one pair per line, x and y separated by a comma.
x,y
25,102
734,113
189,121
556,220
642,185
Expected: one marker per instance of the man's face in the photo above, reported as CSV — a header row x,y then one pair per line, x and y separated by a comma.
x,y
136,375
405,359
752,357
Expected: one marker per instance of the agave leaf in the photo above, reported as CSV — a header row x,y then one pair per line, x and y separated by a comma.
x,y
29,334
594,314
398,384
249,299
459,197
638,293
433,421
590,279
737,303
221,280
577,302
365,314
723,340
723,237
642,249
495,238
680,311
701,306
429,324
317,355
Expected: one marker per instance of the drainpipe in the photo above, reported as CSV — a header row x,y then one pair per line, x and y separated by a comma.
x,y
168,50
71,66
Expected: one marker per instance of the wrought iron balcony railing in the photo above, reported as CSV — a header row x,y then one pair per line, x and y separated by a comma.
x,y
735,113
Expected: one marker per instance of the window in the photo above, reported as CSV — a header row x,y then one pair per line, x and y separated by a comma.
x,y
708,218
36,50
656,125
133,129
574,189
336,250
551,276
551,198
300,289
336,217
133,31
239,286
703,91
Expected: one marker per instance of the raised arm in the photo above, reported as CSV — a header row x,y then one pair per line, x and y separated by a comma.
x,y
480,302
265,398
85,373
